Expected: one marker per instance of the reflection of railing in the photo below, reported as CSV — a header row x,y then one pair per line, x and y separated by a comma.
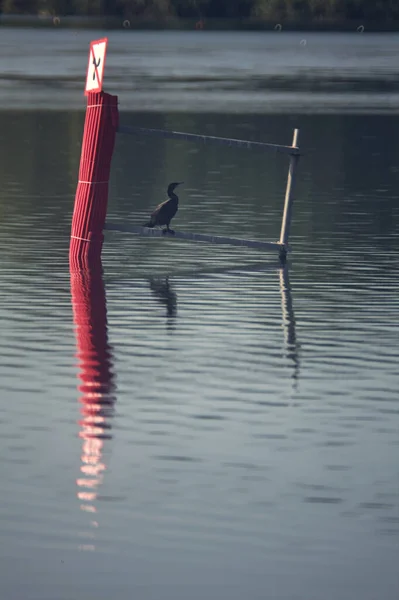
x,y
291,342
97,385
163,290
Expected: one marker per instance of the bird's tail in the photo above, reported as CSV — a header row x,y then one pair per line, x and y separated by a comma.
x,y
149,224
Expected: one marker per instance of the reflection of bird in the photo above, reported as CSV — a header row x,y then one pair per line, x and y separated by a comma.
x,y
164,213
165,294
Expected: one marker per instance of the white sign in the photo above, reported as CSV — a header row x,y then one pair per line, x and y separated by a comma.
x,y
95,68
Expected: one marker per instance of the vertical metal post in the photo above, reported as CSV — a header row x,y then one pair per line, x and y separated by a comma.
x,y
286,222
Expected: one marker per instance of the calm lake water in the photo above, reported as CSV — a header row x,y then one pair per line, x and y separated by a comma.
x,y
219,426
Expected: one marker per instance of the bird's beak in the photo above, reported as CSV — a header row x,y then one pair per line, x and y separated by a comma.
x,y
180,182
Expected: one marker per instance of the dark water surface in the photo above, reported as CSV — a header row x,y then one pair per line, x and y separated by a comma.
x,y
232,430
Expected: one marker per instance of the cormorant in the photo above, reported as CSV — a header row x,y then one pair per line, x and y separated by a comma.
x,y
164,212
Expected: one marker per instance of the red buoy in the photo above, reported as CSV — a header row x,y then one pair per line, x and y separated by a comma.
x,y
91,197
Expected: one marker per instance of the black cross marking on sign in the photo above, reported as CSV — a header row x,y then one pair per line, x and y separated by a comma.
x,y
96,65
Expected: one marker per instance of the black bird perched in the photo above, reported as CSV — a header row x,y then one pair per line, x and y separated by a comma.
x,y
164,212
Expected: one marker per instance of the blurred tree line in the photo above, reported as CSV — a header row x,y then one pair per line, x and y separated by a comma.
x,y
237,9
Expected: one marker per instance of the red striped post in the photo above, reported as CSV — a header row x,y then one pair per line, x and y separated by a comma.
x,y
91,199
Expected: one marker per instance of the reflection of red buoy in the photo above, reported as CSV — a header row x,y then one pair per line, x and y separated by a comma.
x,y
97,385
200,24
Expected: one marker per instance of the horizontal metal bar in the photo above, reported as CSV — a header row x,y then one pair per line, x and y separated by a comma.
x,y
208,139
195,237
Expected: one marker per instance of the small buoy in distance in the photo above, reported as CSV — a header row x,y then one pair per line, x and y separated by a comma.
x,y
303,42
56,21
126,23
278,27
360,29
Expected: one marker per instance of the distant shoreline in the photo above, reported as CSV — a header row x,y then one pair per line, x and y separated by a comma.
x,y
174,24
